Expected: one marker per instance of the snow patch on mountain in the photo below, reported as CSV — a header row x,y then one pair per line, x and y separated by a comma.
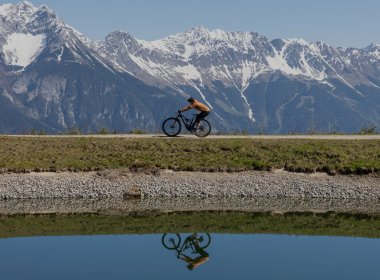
x,y
7,95
158,45
146,65
297,41
20,12
279,61
200,41
20,49
4,9
189,72
374,50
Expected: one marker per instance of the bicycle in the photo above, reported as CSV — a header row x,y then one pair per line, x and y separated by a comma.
x,y
172,126
194,242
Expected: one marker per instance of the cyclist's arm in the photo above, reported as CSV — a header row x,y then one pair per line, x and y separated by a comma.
x,y
187,108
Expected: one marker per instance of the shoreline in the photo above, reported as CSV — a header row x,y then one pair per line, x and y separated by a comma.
x,y
124,184
321,224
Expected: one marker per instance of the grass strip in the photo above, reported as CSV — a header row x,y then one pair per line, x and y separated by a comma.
x,y
24,154
331,224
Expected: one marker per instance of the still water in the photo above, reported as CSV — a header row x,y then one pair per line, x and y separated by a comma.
x,y
190,256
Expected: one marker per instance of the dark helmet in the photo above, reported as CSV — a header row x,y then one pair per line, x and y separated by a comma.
x,y
190,99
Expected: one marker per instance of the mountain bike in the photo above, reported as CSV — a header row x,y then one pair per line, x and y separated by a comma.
x,y
172,126
172,241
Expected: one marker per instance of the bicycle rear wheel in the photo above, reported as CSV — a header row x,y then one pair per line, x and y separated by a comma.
x,y
203,240
204,129
171,127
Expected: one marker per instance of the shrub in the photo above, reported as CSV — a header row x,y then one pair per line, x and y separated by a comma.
x,y
371,129
103,131
137,131
73,131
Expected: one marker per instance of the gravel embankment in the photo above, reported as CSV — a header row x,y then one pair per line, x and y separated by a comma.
x,y
157,205
123,184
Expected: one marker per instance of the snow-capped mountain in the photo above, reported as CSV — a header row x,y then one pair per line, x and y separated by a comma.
x,y
227,70
51,76
28,31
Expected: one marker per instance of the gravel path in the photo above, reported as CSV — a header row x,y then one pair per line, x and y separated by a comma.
x,y
320,137
124,184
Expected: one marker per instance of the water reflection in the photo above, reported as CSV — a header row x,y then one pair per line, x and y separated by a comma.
x,y
158,256
192,250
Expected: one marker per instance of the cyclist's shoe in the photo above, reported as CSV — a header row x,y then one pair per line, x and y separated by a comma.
x,y
194,129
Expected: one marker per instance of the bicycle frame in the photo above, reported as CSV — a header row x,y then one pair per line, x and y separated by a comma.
x,y
188,243
187,122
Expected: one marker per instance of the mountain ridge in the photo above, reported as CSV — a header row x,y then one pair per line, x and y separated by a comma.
x,y
251,83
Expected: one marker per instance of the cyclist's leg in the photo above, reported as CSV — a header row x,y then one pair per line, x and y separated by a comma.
x,y
200,117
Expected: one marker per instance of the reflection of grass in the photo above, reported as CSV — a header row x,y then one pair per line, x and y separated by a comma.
x,y
212,222
70,153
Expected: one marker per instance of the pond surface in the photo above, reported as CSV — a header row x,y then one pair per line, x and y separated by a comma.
x,y
189,256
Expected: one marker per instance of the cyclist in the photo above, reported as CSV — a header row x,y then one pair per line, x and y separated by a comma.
x,y
194,263
195,104
203,257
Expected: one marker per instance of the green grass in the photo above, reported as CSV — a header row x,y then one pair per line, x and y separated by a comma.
x,y
23,154
331,224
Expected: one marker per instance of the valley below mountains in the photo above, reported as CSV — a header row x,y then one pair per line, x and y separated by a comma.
x,y
54,79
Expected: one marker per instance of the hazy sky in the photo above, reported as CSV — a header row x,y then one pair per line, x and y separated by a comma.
x,y
337,22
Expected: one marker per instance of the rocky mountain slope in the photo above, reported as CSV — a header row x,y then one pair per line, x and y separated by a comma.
x,y
54,78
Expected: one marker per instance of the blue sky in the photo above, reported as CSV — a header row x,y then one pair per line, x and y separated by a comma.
x,y
337,22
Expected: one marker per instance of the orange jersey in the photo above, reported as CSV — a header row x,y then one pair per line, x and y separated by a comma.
x,y
197,106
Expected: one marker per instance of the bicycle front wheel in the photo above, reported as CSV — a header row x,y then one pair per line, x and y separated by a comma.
x,y
171,241
171,127
204,129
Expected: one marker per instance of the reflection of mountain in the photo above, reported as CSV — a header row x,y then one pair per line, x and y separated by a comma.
x,y
191,250
329,223
52,77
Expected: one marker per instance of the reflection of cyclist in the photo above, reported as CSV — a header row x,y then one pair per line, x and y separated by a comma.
x,y
194,263
195,104
194,244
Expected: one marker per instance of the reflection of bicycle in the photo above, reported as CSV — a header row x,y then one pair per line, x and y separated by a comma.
x,y
194,244
172,126
172,241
